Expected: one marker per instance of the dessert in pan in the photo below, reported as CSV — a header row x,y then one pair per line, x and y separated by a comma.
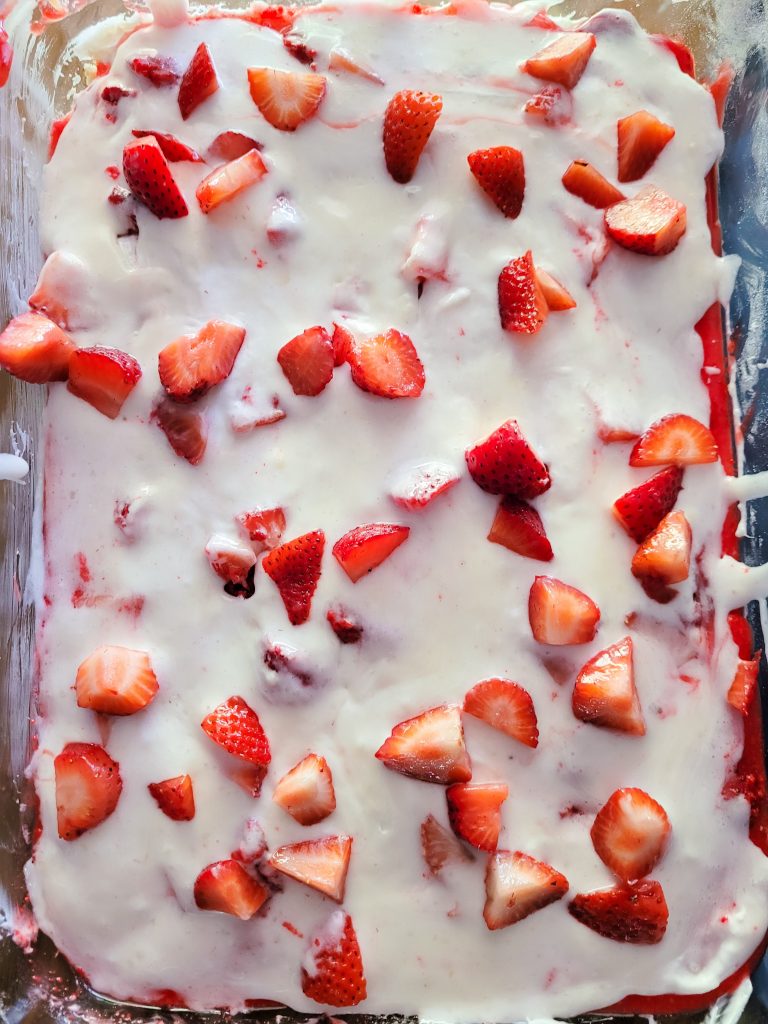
x,y
383,660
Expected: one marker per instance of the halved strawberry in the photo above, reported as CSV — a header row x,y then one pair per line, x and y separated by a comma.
x,y
307,361
387,365
286,99
230,559
229,180
173,149
322,864
562,61
560,614
192,364
500,173
418,486
295,568
504,463
230,145
175,797
306,791
88,787
522,306
226,887
157,70
518,526
505,706
552,105
342,340
362,549
585,181
332,970
641,510
198,82
116,681
651,223
604,693
34,349
474,811
630,833
641,138
665,555
429,747
340,59
263,527
555,295
236,728
149,178
634,913
409,120
676,439
185,428
744,686
516,886
103,377
439,846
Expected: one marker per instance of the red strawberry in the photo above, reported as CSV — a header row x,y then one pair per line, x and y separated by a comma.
x,y
585,181
665,555
157,70
429,747
387,365
34,349
175,797
564,60
149,178
340,60
103,377
185,429
286,99
112,94
474,811
677,440
418,486
229,146
295,569
322,864
236,728
342,339
307,361
306,791
229,180
439,846
61,286
192,364
263,527
641,510
173,149
116,681
504,706
522,306
744,686
409,120
615,435
332,971
552,105
228,888
198,82
6,56
651,222
500,173
88,787
57,127
518,526
641,137
347,629
630,833
625,913
681,53
231,560
555,295
304,54
504,463
516,886
362,549
604,693
560,614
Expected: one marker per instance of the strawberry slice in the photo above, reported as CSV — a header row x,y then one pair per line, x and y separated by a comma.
x,y
552,105
307,361
306,791
340,59
158,71
34,349
346,628
192,364
263,527
516,886
230,145
500,173
286,99
332,970
175,797
226,887
504,463
231,560
522,306
429,747
474,811
174,150
439,846
322,864
560,614
387,365
665,555
418,486
198,82
409,120
229,180
681,53
57,129
641,510
604,693
635,913
630,833
88,787
116,681
562,61
585,181
651,223
557,298
185,429
295,568
342,340
103,377
505,706
518,527
149,178
641,138
744,686
362,549
675,439
236,728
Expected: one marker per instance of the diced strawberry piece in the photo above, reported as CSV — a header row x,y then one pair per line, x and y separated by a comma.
x,y
516,886
228,146
236,728
474,811
585,181
555,295
286,99
362,549
518,526
560,614
112,94
719,88
744,686
342,340
185,428
340,59
409,120
387,365
641,138
34,349
57,127
500,173
229,180
635,913
306,791
522,306
297,48
192,364
630,833
307,361
226,887
175,797
418,486
741,633
103,377
173,149
439,846
149,178
6,56
332,971
542,20
562,61
641,510
681,52
504,463
677,440
346,628
504,706
246,415
253,844
604,693
249,777
665,555
295,568
88,787
62,289
116,681
263,527
231,560
278,18
198,82
157,70
552,105
615,435
429,747
651,223
322,864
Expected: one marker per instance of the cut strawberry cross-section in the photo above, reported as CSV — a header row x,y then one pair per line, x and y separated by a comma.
x,y
635,913
516,886
641,137
185,428
230,559
332,970
677,440
286,99
88,787
340,59
605,694
505,706
198,82
263,527
742,690
158,70
556,296
322,864
664,557
229,180
230,145
651,223
562,61
474,811
500,173
387,365
641,510
552,104
306,791
362,549
440,847
518,527
34,349
295,568
418,486
585,181
149,178
522,306
103,377
630,833
409,120
175,797
560,614
192,364
344,625
226,887
174,150
307,361
236,728
116,681
342,340
429,747
504,463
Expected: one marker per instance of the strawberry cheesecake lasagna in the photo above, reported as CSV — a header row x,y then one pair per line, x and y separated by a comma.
x,y
382,661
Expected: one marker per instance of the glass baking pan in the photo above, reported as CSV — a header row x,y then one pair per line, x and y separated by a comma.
x,y
36,983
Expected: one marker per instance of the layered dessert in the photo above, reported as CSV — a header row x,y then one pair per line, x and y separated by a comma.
x,y
382,658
